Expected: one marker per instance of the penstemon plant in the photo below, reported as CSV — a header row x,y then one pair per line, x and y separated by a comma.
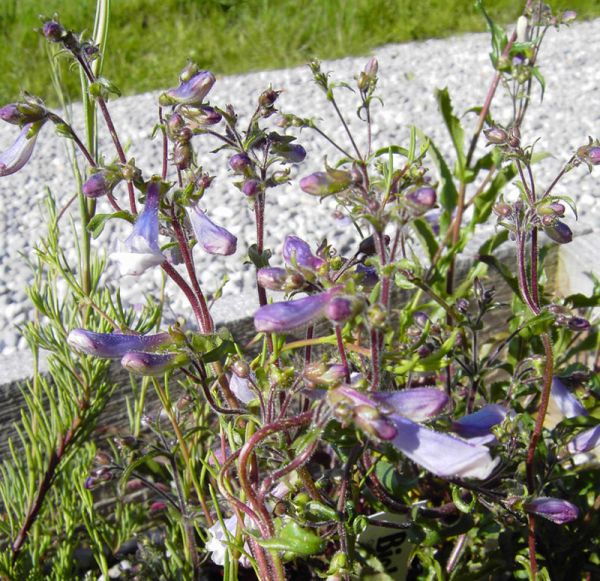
x,y
389,419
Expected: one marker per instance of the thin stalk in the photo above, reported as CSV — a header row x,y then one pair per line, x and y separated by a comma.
x,y
342,352
346,128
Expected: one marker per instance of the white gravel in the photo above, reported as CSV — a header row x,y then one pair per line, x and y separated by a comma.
x,y
409,75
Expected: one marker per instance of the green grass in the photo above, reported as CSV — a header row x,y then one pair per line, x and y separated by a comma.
x,y
150,40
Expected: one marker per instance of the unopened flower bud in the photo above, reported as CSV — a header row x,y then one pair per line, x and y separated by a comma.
x,y
239,162
251,187
367,245
462,306
422,199
207,116
292,152
324,183
96,185
514,137
158,506
21,113
272,278
241,368
340,309
569,16
559,232
578,324
554,509
152,364
319,374
593,155
585,441
182,155
53,31
376,315
369,277
496,135
267,98
372,422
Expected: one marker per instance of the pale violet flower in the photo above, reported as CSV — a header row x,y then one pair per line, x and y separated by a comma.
x,y
142,249
211,238
240,387
18,154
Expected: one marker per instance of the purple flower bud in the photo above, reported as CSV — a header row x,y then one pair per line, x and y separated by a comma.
x,y
496,135
19,153
207,116
324,183
578,324
53,31
272,278
142,250
479,424
556,510
182,155
593,155
288,315
569,16
114,345
585,441
211,238
557,208
422,199
319,374
291,152
97,185
239,162
559,232
375,424
569,406
22,113
296,252
189,92
250,188
267,98
158,506
152,364
367,245
340,309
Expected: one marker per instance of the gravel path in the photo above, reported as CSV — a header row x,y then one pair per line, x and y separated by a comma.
x,y
409,74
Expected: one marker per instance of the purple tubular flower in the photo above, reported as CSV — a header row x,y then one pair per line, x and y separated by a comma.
x,y
296,252
418,404
142,250
211,238
189,92
152,364
556,510
21,113
442,454
288,315
585,441
114,345
478,425
568,405
19,153
378,415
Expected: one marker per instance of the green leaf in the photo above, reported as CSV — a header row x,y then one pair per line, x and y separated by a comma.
x,y
494,242
97,223
393,149
455,129
427,237
292,538
260,260
499,38
448,192
540,79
